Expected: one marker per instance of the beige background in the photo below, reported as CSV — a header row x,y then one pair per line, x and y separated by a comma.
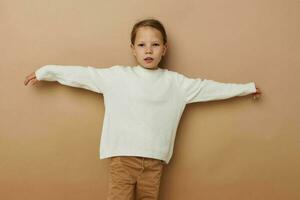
x,y
236,149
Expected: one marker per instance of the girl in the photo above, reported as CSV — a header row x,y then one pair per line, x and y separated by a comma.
x,y
143,106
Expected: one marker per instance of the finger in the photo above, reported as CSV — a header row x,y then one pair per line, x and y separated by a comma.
x,y
27,80
34,81
29,77
259,91
256,96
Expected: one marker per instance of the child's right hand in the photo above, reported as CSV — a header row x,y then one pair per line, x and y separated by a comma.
x,y
31,78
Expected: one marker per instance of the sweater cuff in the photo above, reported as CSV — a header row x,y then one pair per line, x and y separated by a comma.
x,y
251,86
41,73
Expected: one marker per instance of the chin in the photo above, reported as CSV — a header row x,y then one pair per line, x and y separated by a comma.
x,y
151,67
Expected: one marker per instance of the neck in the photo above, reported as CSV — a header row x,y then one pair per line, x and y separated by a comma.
x,y
156,68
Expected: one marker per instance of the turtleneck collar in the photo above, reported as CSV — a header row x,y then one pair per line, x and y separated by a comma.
x,y
148,72
151,70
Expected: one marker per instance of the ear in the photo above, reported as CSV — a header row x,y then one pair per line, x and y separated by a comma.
x,y
165,49
132,49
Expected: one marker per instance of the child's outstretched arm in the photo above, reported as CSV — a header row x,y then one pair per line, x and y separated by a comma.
x,y
201,90
89,78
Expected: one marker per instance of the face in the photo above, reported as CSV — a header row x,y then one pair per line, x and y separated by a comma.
x,y
148,48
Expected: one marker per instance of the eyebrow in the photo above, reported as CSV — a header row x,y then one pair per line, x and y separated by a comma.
x,y
153,41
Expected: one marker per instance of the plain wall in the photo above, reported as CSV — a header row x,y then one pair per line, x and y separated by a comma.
x,y
235,149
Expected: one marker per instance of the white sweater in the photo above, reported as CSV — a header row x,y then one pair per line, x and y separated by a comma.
x,y
142,107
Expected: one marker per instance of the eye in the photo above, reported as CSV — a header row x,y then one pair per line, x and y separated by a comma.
x,y
140,45
156,44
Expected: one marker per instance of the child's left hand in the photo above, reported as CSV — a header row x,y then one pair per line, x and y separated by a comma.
x,y
256,94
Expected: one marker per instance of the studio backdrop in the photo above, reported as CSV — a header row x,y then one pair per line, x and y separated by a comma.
x,y
234,149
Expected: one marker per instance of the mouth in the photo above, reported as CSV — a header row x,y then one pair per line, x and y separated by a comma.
x,y
148,59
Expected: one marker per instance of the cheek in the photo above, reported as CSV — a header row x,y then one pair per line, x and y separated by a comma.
x,y
136,53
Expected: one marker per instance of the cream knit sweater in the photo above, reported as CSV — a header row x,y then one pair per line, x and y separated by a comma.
x,y
142,107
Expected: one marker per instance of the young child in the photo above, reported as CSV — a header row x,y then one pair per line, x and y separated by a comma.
x,y
143,106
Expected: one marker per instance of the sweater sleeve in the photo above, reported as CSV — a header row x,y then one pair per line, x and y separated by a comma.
x,y
90,78
201,90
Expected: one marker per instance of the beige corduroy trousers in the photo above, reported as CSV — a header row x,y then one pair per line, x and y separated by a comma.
x,y
134,178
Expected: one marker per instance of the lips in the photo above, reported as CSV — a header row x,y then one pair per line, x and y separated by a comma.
x,y
148,58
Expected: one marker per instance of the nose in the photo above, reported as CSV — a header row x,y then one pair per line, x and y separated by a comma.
x,y
148,50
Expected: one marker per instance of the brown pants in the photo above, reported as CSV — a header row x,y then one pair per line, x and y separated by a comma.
x,y
132,177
